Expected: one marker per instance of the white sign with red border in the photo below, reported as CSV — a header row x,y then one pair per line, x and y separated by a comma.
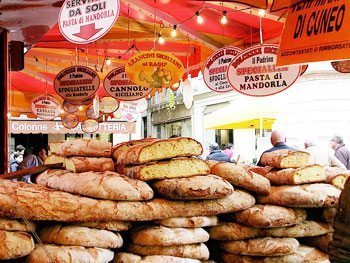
x,y
129,110
46,107
215,69
85,21
254,72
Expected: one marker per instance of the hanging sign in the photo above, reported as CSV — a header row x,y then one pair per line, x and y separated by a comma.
x,y
82,22
69,107
76,83
254,72
341,66
70,121
87,101
315,31
108,105
46,107
89,126
215,68
154,69
91,113
129,110
187,91
118,85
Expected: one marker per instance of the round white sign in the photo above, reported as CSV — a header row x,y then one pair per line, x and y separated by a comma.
x,y
254,72
215,69
46,107
129,110
85,21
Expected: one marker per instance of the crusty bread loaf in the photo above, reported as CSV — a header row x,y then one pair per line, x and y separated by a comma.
x,y
89,164
80,236
40,203
54,158
285,159
307,174
175,168
103,185
303,254
190,222
195,251
119,148
332,172
16,225
304,229
195,187
211,163
308,195
123,257
15,244
239,176
69,254
264,216
83,147
260,170
320,242
54,147
340,180
166,236
234,232
266,246
160,150
110,225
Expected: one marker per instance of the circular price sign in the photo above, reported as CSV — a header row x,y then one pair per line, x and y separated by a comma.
x,y
91,113
254,72
215,69
46,107
70,121
76,83
69,107
118,85
108,105
129,110
85,21
89,126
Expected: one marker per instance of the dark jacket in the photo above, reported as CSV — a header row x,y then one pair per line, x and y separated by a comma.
x,y
339,248
342,153
219,156
278,146
28,162
13,165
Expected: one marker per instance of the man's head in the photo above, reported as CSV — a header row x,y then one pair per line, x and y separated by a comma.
x,y
20,149
336,141
214,146
18,157
277,137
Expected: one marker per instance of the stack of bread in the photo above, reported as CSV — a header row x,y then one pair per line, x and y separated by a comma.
x,y
292,220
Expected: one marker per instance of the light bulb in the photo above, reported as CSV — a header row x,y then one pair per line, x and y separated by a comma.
x,y
200,19
261,12
108,62
174,32
224,18
80,108
62,111
161,40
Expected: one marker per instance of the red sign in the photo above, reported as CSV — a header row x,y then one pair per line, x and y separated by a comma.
x,y
46,107
214,71
118,85
85,21
77,83
254,72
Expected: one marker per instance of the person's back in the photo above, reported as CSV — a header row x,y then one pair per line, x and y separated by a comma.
x,y
216,154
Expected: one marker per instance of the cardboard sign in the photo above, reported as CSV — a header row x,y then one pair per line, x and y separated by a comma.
x,y
129,110
85,21
316,31
215,68
254,72
76,83
46,107
118,85
154,69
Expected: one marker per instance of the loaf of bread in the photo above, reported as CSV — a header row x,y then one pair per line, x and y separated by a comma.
x,y
166,236
303,254
322,214
84,147
266,246
285,159
103,185
89,164
110,225
40,203
54,158
304,229
54,147
15,244
308,195
175,168
234,232
340,180
123,257
320,242
211,163
69,254
241,177
195,187
260,170
160,150
332,172
195,251
264,216
118,149
16,225
80,236
189,222
303,175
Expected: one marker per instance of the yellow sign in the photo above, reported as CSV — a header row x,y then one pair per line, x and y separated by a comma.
x,y
154,69
316,30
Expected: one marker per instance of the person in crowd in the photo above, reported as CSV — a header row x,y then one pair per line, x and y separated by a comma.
x,y
341,152
35,157
320,156
175,136
229,150
19,149
278,141
216,154
17,159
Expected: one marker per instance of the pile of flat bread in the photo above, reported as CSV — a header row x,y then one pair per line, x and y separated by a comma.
x,y
292,218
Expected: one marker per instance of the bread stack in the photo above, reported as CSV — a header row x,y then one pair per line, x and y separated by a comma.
x,y
278,228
